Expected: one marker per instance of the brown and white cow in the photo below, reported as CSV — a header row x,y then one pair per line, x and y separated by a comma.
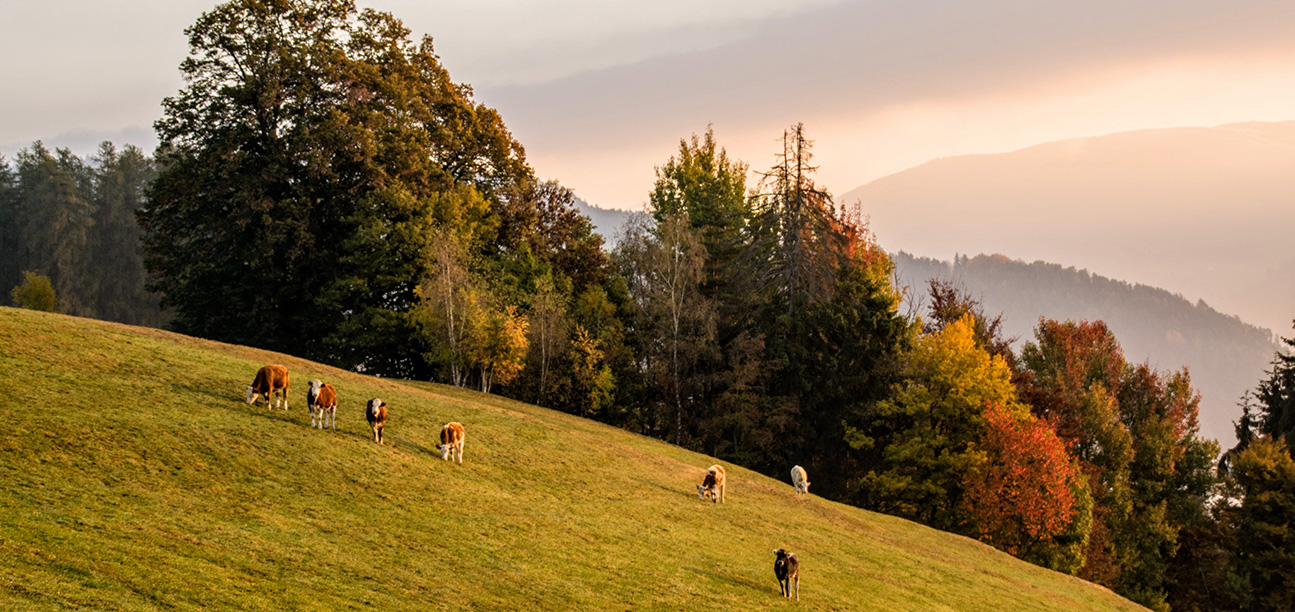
x,y
376,413
713,485
270,379
786,567
800,480
321,400
451,442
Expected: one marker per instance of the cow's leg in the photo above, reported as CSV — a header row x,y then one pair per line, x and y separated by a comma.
x,y
797,587
332,417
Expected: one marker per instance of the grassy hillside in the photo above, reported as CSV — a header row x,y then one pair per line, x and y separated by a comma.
x,y
132,476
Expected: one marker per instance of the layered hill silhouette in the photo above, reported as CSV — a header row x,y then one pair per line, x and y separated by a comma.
x,y
134,477
1226,356
1203,212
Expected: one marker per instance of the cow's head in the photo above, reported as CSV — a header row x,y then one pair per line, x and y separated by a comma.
x,y
251,395
445,451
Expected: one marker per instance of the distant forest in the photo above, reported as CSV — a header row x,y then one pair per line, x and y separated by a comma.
x,y
72,220
1225,355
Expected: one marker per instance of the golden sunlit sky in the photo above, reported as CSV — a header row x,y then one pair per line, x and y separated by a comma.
x,y
601,92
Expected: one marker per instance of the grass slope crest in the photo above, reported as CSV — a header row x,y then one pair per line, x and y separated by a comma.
x,y
134,477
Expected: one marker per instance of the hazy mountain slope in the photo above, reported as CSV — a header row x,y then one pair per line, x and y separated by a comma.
x,y
606,220
1226,356
132,476
1205,212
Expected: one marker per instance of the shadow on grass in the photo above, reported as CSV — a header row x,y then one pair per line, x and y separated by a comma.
x,y
726,578
418,448
665,488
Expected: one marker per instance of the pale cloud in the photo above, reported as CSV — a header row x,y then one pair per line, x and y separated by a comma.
x,y
599,92
510,42
886,85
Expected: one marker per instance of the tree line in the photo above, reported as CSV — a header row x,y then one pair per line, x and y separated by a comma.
x,y
67,228
323,188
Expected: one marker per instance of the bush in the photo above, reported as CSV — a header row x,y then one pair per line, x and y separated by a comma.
x,y
34,293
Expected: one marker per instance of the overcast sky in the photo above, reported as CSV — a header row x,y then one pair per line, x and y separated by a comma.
x,y
600,92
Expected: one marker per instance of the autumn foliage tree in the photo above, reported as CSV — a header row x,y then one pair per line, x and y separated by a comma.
x,y
496,343
592,379
1028,492
927,432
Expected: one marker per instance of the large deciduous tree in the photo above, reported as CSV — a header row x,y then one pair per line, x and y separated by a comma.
x,y
1072,375
1029,493
927,431
304,166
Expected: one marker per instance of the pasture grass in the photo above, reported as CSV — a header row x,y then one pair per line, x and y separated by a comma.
x,y
133,477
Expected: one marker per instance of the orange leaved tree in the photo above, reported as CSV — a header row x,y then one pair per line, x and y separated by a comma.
x,y
1028,492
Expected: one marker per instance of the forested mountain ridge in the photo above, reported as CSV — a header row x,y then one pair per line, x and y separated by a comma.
x,y
1201,211
607,221
1224,354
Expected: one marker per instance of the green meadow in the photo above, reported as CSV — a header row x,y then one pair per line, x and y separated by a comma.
x,y
134,477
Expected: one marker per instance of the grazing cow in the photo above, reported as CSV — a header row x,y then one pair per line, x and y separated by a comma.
x,y
321,400
713,485
451,442
270,379
787,568
800,480
376,412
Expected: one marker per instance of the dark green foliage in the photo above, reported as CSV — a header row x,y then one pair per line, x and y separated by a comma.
x,y
797,241
702,183
120,179
34,293
1265,538
10,250
53,219
303,168
73,221
674,320
1275,399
